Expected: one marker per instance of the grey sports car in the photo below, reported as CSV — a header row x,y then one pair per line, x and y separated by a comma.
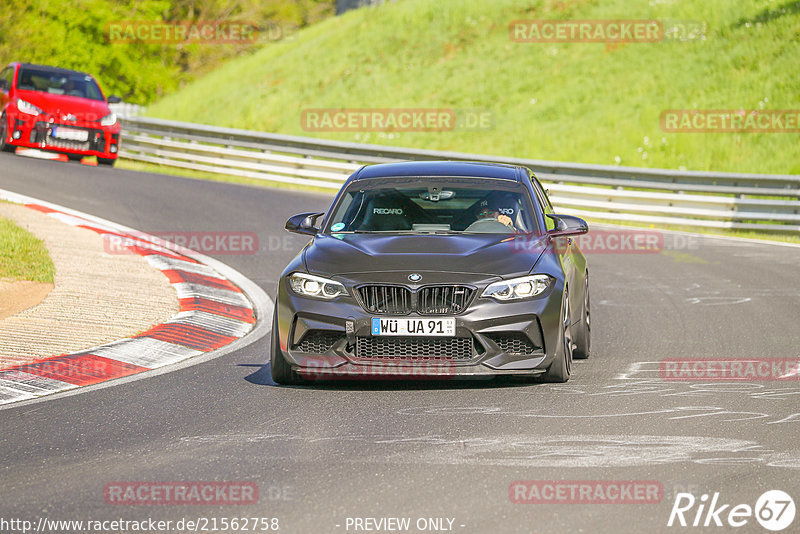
x,y
433,270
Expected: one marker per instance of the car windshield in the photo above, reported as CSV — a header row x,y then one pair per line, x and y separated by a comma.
x,y
435,206
59,83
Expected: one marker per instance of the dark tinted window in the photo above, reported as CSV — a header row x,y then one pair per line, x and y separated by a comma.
x,y
436,205
8,75
544,203
58,83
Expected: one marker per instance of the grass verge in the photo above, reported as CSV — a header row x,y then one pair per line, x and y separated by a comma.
x,y
23,256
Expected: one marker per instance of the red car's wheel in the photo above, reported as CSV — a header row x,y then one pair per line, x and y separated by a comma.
x,y
4,146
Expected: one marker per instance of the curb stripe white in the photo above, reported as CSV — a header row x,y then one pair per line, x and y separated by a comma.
x,y
163,263
144,352
212,322
188,290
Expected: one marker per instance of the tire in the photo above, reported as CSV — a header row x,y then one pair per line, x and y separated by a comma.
x,y
74,157
5,147
282,372
583,338
107,162
561,368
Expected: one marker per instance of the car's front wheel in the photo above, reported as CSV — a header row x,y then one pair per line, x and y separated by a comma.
x,y
4,146
282,372
561,368
108,162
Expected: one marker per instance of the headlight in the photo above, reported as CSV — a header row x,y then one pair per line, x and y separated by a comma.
x,y
108,120
518,288
309,285
27,107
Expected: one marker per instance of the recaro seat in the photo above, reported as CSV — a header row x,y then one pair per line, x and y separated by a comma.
x,y
385,213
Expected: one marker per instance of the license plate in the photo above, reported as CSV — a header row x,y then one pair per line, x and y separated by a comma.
x,y
405,326
69,134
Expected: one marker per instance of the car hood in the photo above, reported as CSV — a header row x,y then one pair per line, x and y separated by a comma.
x,y
83,108
484,254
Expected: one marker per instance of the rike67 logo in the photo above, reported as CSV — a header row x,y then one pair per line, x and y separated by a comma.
x,y
774,510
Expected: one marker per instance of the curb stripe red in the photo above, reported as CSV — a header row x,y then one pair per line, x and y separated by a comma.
x,y
79,369
190,336
218,308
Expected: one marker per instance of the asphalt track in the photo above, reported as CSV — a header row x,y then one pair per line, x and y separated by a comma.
x,y
322,454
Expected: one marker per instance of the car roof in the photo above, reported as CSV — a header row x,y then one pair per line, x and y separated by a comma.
x,y
52,69
470,169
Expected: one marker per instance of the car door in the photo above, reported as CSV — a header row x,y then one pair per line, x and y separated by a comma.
x,y
571,258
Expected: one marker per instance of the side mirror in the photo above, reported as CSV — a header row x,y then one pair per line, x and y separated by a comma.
x,y
303,223
3,85
567,225
114,99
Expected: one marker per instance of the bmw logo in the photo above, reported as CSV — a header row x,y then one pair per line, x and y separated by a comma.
x,y
414,277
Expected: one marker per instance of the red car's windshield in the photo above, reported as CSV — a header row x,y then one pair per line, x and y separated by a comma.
x,y
58,83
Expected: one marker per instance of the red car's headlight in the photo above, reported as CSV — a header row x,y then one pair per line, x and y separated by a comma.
x,y
108,120
27,107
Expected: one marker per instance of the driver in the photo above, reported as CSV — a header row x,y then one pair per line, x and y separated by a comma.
x,y
490,210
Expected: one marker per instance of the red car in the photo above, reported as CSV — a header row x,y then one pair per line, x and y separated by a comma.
x,y
56,109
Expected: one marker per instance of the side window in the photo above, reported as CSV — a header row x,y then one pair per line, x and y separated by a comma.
x,y
7,76
544,203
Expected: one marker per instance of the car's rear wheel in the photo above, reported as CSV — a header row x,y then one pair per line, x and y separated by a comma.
x,y
4,146
583,338
282,372
108,162
561,368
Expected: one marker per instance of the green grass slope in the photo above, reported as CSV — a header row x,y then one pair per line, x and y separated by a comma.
x,y
586,102
23,256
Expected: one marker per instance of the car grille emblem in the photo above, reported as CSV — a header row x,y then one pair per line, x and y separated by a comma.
x,y
414,277
70,117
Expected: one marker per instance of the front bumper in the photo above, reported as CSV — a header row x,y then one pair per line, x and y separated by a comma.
x,y
28,131
332,339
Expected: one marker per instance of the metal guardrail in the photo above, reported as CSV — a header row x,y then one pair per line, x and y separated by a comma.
x,y
766,202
